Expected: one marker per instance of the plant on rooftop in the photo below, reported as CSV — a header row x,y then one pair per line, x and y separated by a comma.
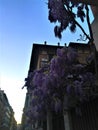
x,y
64,76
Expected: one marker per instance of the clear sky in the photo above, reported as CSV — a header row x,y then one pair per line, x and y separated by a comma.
x,y
22,23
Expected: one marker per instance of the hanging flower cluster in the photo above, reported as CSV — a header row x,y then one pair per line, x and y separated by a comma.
x,y
65,12
64,76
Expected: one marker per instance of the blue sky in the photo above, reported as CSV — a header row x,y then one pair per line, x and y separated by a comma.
x,y
22,23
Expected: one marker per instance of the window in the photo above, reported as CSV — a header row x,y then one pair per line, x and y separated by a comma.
x,y
44,62
43,59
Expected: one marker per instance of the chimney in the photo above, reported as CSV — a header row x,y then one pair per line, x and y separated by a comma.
x,y
58,44
45,43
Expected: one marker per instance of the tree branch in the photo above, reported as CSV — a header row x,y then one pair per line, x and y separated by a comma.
x,y
89,25
90,38
82,30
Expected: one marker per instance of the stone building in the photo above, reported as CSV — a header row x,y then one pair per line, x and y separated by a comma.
x,y
18,126
1,107
95,24
41,55
7,120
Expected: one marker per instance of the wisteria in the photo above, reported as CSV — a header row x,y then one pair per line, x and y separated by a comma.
x,y
64,13
65,76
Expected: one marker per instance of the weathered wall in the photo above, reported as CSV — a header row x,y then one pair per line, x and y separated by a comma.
x,y
95,25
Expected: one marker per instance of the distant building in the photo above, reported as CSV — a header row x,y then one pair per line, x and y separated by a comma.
x,y
7,120
18,126
1,107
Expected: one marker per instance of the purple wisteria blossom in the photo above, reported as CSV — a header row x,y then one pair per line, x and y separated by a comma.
x,y
64,13
64,76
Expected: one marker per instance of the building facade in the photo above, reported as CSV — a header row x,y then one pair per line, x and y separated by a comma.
x,y
95,24
7,120
41,55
